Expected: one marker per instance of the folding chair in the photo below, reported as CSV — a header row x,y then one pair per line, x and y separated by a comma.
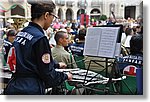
x,y
79,61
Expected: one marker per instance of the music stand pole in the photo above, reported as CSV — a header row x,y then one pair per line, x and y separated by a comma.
x,y
106,67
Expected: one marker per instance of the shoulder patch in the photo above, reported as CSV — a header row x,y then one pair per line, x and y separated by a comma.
x,y
130,70
46,58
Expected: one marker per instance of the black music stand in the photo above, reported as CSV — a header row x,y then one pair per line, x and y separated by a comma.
x,y
117,40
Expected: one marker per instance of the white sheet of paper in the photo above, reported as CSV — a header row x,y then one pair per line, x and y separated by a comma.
x,y
101,41
118,49
92,41
108,42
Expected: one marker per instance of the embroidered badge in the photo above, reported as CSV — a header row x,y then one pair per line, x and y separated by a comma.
x,y
130,70
46,58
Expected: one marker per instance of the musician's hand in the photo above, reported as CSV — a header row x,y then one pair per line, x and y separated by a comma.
x,y
62,65
69,76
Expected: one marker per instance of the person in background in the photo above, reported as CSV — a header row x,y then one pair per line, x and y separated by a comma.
x,y
78,47
139,29
111,21
74,26
56,25
136,54
11,34
50,36
70,37
129,33
123,37
35,67
132,64
59,53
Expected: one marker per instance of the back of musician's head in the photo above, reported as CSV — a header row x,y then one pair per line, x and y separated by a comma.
x,y
128,31
82,34
136,44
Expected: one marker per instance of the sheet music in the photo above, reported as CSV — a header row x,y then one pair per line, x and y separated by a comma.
x,y
127,41
108,42
101,41
92,41
118,49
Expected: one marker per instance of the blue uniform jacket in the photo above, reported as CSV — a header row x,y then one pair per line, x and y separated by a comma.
x,y
35,69
135,60
6,48
77,48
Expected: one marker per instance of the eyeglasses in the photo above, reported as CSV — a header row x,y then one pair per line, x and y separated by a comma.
x,y
55,16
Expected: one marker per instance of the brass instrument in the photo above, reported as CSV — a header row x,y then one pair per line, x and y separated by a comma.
x,y
124,51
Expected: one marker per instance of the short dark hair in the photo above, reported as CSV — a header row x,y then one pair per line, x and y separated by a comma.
x,y
128,31
11,32
58,35
38,8
136,44
82,34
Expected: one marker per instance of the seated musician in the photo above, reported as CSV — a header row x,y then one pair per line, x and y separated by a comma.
x,y
132,64
129,64
78,47
59,53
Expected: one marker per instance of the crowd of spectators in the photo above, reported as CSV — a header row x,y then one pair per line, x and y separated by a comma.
x,y
76,36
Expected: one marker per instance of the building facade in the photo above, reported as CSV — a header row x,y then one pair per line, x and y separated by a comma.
x,y
71,9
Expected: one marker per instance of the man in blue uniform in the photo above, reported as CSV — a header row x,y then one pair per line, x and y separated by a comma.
x,y
136,54
132,65
11,34
35,67
78,47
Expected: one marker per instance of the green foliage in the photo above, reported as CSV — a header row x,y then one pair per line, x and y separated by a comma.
x,y
103,17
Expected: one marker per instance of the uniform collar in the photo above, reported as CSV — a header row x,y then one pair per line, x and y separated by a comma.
x,y
59,46
36,25
7,41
